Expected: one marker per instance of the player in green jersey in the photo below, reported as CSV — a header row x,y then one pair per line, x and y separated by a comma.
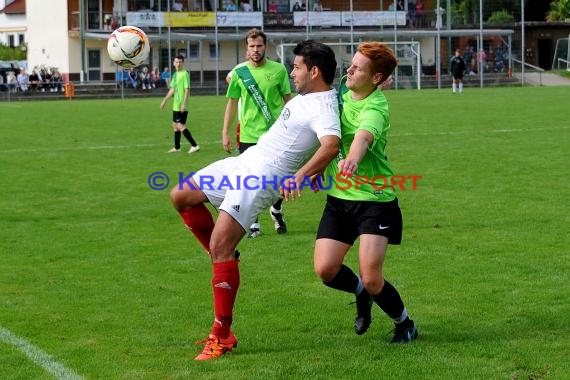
x,y
262,86
180,90
357,208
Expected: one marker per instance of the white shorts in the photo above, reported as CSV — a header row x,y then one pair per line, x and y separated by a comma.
x,y
241,189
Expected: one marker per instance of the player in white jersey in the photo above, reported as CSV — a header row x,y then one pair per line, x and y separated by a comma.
x,y
300,144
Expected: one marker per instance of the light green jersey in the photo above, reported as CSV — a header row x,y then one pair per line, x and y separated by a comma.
x,y
179,82
273,82
372,115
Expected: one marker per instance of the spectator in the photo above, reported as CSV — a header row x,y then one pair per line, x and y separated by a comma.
x,y
11,81
297,7
56,81
133,77
272,7
411,13
165,77
246,6
439,17
114,24
34,80
317,6
177,6
144,77
23,80
419,13
45,79
155,77
400,5
230,6
121,77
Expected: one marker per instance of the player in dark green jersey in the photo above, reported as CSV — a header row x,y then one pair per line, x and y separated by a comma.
x,y
357,206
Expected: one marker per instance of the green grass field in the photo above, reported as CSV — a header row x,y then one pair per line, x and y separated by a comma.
x,y
99,279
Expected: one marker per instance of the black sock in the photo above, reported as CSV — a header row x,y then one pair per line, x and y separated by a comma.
x,y
189,137
344,280
177,135
391,303
277,205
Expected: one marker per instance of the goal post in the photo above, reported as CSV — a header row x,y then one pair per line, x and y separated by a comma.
x,y
562,54
407,74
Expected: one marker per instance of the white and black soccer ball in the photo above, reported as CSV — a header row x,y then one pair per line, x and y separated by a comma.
x,y
128,46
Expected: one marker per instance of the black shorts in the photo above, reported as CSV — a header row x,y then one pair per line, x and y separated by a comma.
x,y
345,221
245,146
458,76
179,117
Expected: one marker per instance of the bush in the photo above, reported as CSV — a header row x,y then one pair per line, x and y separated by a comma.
x,y
501,17
12,53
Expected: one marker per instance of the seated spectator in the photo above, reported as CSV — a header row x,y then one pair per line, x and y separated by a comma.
x,y
34,80
297,7
23,81
144,78
246,6
133,77
45,79
155,77
165,76
56,81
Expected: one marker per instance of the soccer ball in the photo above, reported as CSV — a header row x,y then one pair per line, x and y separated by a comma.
x,y
128,46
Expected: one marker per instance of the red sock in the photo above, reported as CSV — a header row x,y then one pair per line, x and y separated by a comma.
x,y
200,222
225,284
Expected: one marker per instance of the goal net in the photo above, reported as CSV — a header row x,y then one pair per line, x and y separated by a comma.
x,y
408,71
562,54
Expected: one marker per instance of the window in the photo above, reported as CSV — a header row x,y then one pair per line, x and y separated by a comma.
x,y
194,51
21,39
213,52
11,40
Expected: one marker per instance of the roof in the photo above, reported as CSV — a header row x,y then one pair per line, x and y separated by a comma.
x,y
15,7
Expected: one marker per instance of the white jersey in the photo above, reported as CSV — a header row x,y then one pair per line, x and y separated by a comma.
x,y
294,137
245,185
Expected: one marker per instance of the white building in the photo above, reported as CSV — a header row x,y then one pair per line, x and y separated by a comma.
x,y
13,22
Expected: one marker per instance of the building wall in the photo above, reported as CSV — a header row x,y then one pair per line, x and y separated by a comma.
x,y
12,25
47,34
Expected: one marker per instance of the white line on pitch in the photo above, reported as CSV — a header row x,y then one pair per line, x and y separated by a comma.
x,y
100,147
38,356
473,131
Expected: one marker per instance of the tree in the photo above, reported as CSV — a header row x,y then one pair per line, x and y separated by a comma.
x,y
559,11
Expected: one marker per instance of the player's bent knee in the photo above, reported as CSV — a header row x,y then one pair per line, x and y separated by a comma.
x,y
326,273
373,285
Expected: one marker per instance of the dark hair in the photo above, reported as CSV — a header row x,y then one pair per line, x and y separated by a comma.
x,y
254,33
180,57
319,55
